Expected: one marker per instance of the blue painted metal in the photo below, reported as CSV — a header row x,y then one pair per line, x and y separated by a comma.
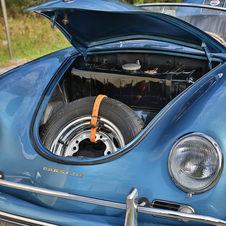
x,y
111,19
200,108
29,210
95,5
194,1
20,92
196,11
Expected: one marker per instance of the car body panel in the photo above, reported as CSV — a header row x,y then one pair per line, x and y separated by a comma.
x,y
206,2
28,212
24,93
146,25
38,171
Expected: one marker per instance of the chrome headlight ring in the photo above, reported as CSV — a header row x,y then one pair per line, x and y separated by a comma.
x,y
195,162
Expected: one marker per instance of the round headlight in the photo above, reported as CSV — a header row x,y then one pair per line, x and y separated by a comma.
x,y
195,162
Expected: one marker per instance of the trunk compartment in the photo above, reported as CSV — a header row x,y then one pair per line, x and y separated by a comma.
x,y
157,80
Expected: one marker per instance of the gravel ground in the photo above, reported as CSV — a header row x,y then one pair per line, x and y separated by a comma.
x,y
5,69
14,63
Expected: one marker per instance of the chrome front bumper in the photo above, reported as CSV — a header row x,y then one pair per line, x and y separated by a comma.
x,y
131,207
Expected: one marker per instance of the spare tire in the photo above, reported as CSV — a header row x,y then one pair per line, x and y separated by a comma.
x,y
67,133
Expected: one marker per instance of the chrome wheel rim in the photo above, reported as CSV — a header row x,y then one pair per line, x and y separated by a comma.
x,y
73,137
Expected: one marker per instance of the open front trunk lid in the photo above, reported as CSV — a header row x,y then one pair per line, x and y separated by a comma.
x,y
88,23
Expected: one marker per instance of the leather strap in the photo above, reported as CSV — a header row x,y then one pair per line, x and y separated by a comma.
x,y
94,117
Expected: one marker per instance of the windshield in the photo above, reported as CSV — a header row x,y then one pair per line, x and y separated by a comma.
x,y
207,17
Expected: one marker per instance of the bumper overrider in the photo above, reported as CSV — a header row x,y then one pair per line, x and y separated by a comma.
x,y
131,207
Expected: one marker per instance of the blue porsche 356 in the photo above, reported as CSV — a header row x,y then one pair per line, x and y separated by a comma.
x,y
127,126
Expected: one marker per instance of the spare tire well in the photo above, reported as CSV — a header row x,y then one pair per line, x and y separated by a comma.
x,y
67,133
143,92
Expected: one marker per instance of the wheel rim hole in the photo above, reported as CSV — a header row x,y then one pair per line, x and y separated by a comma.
x,y
74,148
86,144
116,143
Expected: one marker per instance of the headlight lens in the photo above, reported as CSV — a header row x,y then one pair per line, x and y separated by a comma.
x,y
195,162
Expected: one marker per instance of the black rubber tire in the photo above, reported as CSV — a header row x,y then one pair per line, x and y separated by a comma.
x,y
127,121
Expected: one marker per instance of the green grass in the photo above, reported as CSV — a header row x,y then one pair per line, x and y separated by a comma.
x,y
31,37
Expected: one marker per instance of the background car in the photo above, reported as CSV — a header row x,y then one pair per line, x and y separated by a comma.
x,y
129,120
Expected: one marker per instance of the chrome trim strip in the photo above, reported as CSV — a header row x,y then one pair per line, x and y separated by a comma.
x,y
184,216
147,210
14,219
63,195
131,208
177,207
182,5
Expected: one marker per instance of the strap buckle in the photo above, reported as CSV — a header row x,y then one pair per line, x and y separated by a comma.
x,y
94,117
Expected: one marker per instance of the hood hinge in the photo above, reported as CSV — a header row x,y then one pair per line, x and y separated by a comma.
x,y
208,54
53,19
81,49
